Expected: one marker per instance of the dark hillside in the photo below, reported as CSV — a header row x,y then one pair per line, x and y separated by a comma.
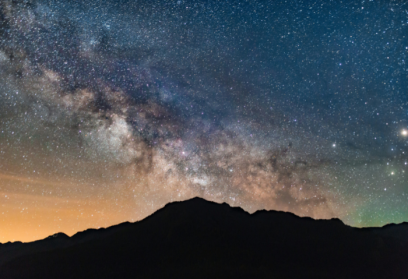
x,y
201,239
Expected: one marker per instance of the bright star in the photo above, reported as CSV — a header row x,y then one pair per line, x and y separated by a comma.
x,y
404,132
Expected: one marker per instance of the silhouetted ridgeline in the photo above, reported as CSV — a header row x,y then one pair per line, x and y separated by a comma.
x,y
201,239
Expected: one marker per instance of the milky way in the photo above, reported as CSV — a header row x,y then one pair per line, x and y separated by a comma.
x,y
111,109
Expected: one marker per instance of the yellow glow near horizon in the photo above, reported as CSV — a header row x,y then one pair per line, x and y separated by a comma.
x,y
33,208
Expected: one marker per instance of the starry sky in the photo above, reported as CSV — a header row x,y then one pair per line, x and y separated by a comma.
x,y
111,109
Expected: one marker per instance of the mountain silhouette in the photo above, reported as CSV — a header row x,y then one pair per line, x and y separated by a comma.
x,y
202,239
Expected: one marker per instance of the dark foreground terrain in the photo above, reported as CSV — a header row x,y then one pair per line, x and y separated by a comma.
x,y
201,239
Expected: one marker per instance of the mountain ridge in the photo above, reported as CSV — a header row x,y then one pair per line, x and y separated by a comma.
x,y
388,225
194,234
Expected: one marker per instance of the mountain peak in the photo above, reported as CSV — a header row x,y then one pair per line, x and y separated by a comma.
x,y
198,238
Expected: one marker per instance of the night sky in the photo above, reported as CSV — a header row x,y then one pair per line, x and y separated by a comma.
x,y
111,109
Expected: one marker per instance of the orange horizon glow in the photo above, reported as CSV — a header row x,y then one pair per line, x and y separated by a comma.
x,y
28,215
